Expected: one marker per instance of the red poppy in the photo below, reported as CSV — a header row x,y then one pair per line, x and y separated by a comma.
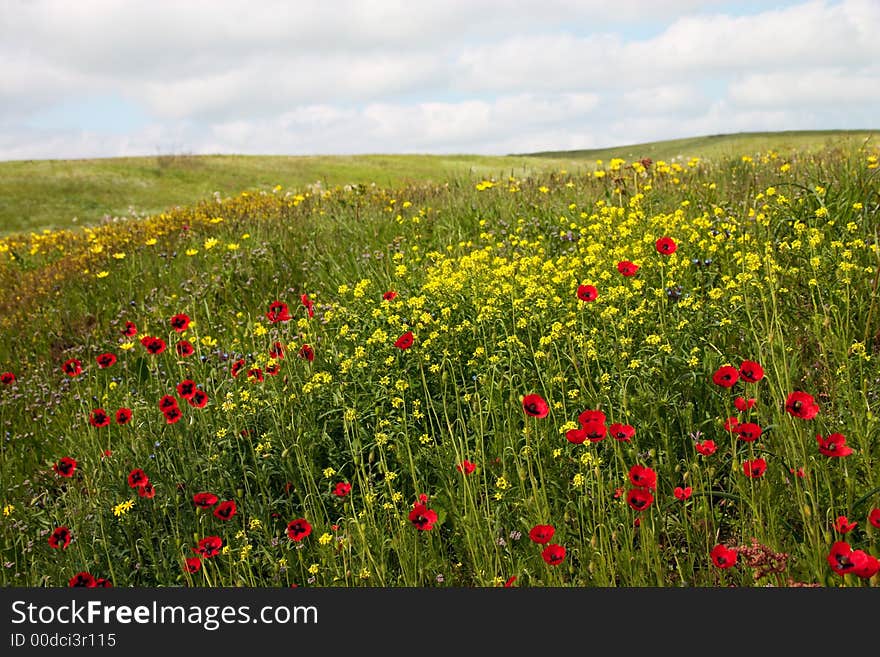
x,y
192,564
184,348
276,351
466,467
130,329
172,415
535,405
7,378
137,478
65,467
639,499
298,529
622,432
874,517
587,293
422,517
84,579
843,559
147,490
60,538
237,367
723,556
199,399
309,304
307,353
748,431
627,268
273,370
205,500
754,468
209,546
742,404
389,295
553,554
103,583
591,416
801,405
682,493
594,431
255,374
341,489
576,436
167,402
99,418
750,371
800,473
72,367
105,360
225,510
542,533
725,376
843,525
834,445
706,448
643,476
405,341
278,312
180,322
153,345
186,388
731,424
666,245
870,568
123,416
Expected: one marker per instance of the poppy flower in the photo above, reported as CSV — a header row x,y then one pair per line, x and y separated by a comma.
x,y
309,304
237,367
639,499
273,370
725,376
748,431
307,353
278,312
801,405
874,517
405,341
754,468
576,436
590,415
843,525
542,533
594,431
870,568
225,510
643,476
7,378
209,546
341,489
199,399
72,367
276,351
105,360
587,293
147,491
800,473
153,345
553,554
389,295
742,404
706,448
750,371
172,415
255,374
422,517
466,467
627,268
192,564
298,529
186,389
723,556
129,330
60,538
65,467
123,416
843,559
666,245
682,493
731,424
205,500
834,445
137,478
535,406
84,579
184,348
622,432
180,322
99,418
167,402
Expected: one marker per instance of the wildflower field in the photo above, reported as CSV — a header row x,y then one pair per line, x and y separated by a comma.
x,y
651,373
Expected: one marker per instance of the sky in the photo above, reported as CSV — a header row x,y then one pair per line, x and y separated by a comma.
x,y
105,78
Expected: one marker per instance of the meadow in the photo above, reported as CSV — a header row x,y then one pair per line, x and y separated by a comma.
x,y
641,372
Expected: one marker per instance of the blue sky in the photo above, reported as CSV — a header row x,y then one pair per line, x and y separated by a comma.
x,y
101,78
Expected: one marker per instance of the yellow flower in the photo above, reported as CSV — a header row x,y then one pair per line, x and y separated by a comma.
x,y
329,472
151,241
314,568
191,252
122,508
125,346
102,274
8,509
325,538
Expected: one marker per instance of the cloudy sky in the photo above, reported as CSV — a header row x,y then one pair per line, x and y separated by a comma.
x,y
96,78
